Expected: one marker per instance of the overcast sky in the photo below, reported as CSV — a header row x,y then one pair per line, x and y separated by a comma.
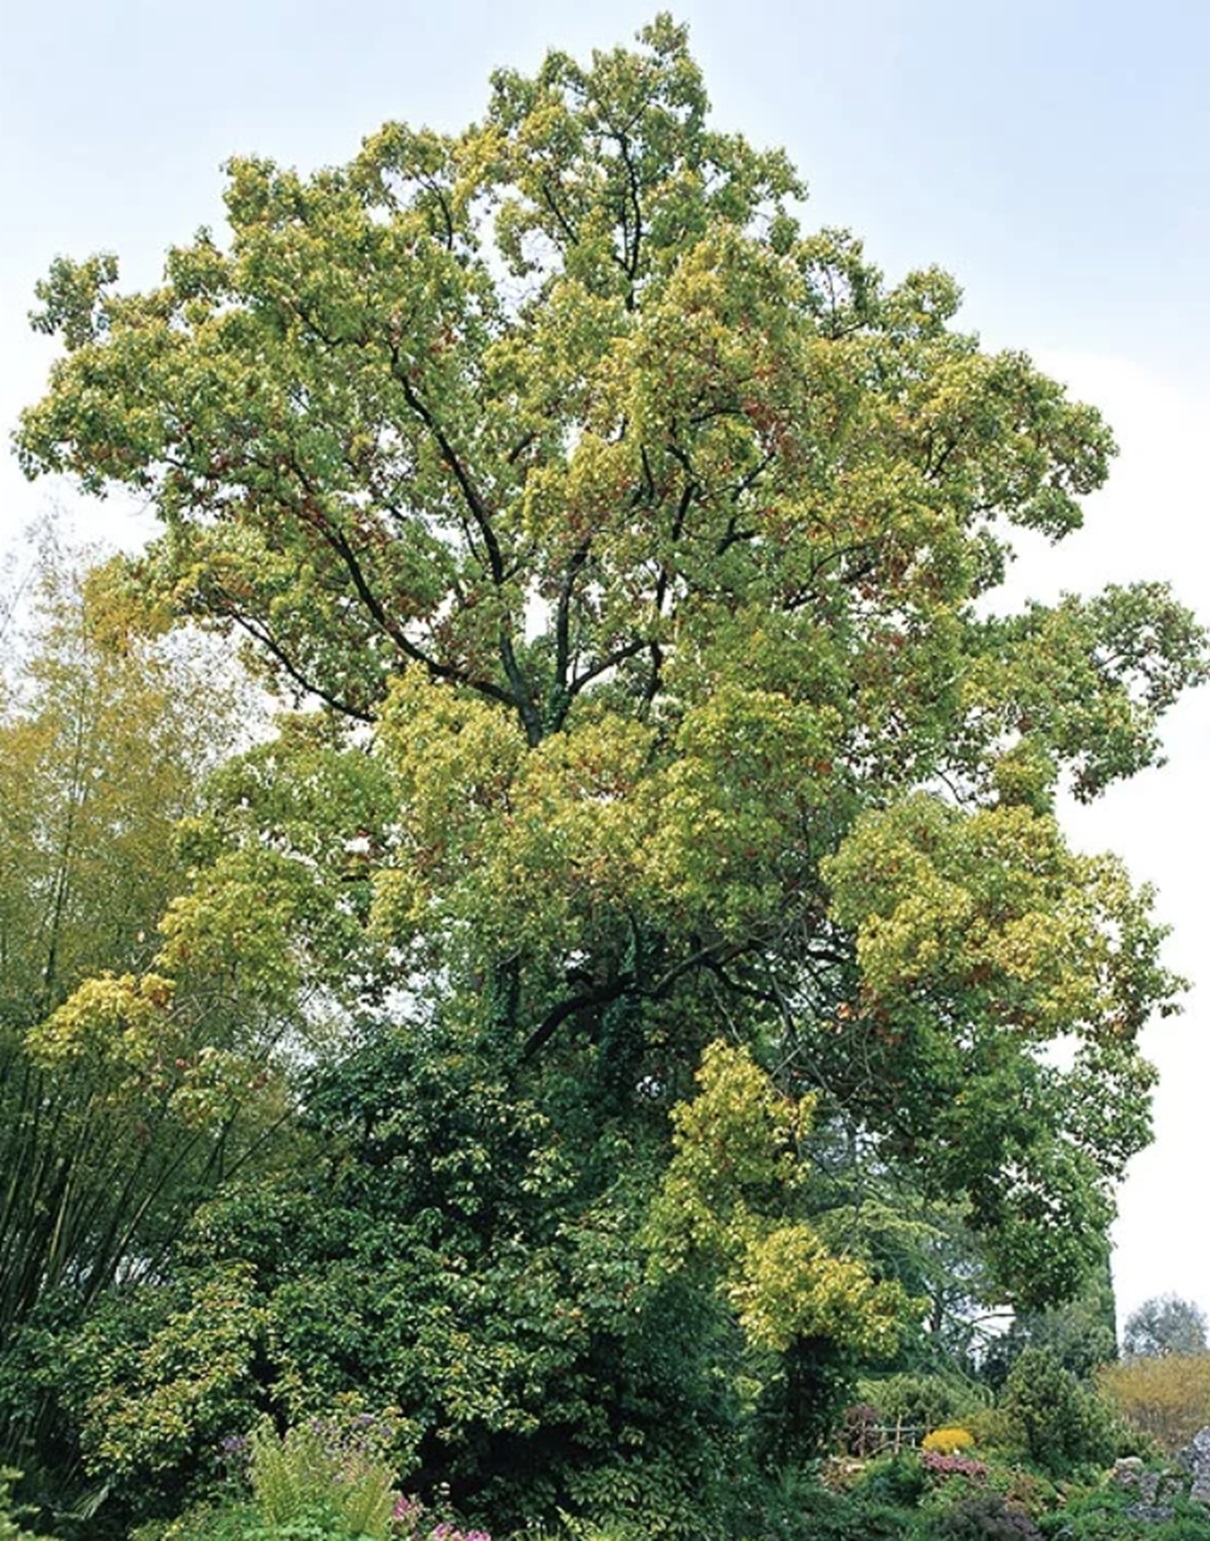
x,y
1053,154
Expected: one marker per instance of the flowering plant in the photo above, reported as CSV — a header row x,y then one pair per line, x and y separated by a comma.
x,y
327,1464
947,1440
937,1464
409,1523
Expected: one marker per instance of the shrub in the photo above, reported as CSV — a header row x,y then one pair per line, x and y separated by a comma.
x,y
938,1464
1109,1515
1024,1489
895,1479
319,1482
986,1517
946,1441
924,1401
241,1522
1058,1424
991,1429
317,1513
410,1522
790,1503
636,1498
826,1516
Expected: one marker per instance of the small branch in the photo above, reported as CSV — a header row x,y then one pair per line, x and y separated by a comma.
x,y
469,493
610,661
265,639
569,230
521,697
329,531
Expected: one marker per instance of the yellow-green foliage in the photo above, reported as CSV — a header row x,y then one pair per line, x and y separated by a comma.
x,y
990,1429
724,1202
536,843
993,903
158,1400
116,1020
1167,1397
947,1441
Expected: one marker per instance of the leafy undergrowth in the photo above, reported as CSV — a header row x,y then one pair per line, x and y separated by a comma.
x,y
298,1489
1039,1465
994,1497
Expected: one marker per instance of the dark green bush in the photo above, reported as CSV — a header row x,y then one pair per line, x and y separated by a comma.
x,y
894,1479
11,1514
792,1504
985,1517
1108,1515
825,1516
1059,1425
923,1400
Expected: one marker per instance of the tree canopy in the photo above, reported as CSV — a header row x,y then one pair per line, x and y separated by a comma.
x,y
1165,1324
665,786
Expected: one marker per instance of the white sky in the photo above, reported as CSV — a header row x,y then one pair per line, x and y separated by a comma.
x,y
1053,154
1151,521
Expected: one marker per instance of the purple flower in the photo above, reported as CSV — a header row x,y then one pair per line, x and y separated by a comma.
x,y
953,1465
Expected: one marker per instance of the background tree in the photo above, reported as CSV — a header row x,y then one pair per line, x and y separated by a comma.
x,y
106,1138
1167,1395
1081,1334
634,549
1165,1324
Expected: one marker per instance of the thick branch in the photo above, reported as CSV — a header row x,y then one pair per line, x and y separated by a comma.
x,y
521,698
715,954
452,459
563,614
339,543
732,536
569,230
632,238
554,1019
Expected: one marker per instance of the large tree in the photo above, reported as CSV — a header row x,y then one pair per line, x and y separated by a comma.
x,y
636,551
